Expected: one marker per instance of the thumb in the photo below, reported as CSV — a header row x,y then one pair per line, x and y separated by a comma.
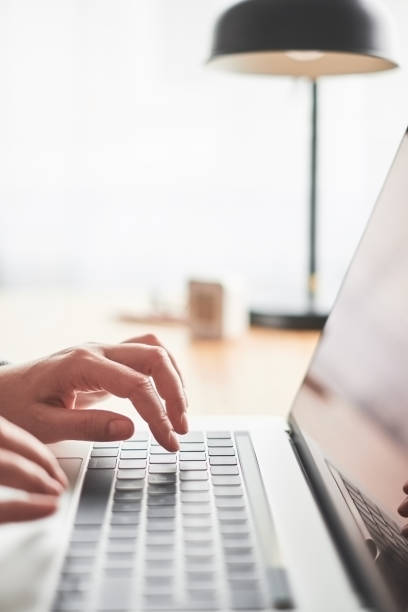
x,y
94,425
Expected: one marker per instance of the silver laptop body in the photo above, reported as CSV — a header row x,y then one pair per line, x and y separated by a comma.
x,y
254,513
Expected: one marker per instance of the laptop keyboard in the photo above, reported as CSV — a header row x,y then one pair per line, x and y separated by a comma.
x,y
160,530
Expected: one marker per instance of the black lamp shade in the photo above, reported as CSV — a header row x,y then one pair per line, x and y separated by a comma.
x,y
305,37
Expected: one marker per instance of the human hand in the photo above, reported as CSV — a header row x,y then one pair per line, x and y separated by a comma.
x,y
27,464
43,396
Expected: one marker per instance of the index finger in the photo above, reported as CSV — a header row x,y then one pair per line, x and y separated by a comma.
x,y
152,340
155,362
92,372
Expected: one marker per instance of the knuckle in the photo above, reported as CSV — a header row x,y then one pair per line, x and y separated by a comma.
x,y
143,385
80,354
159,356
151,339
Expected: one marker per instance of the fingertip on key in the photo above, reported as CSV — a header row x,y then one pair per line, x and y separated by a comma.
x,y
174,444
183,424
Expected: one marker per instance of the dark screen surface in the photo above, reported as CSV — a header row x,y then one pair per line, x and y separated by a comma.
x,y
353,403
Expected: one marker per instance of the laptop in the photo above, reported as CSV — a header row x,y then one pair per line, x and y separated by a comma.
x,y
253,513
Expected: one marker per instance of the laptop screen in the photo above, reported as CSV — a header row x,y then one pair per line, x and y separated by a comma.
x,y
354,401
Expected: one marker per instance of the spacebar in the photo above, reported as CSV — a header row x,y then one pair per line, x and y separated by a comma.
x,y
94,497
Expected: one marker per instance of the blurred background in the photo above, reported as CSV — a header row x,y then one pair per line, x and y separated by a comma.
x,y
126,163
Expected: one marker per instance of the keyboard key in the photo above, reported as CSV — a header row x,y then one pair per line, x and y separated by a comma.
x,y
161,524
162,468
192,447
200,561
223,470
86,533
159,539
69,602
121,545
234,529
194,485
139,437
133,454
115,594
231,491
194,456
78,564
115,563
75,582
129,496
218,434
105,452
159,584
221,451
169,458
235,560
160,567
82,549
102,463
230,502
193,475
95,494
236,539
226,481
157,602
122,485
219,442
197,497
129,445
223,461
193,465
161,500
202,595
127,506
159,489
196,577
132,474
125,518
159,450
161,512
162,478
192,436
128,532
196,537
196,509
197,522
129,464
159,559
246,600
237,515
105,445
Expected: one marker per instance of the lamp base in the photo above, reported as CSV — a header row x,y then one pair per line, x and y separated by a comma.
x,y
308,320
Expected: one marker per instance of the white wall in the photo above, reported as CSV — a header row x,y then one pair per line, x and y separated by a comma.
x,y
125,162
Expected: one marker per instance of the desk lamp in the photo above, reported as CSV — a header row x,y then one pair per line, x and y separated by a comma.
x,y
308,38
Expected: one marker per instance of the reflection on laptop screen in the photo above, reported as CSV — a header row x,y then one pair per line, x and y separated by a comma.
x,y
354,401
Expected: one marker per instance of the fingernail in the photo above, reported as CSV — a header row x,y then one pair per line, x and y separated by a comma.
x,y
173,441
120,429
183,423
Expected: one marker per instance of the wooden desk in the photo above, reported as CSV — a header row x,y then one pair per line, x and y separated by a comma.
x,y
259,373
